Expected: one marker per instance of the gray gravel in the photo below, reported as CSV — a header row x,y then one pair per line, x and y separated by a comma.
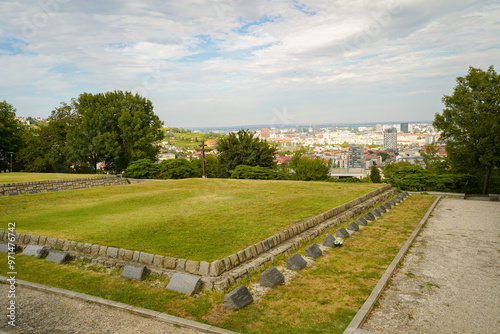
x,y
449,282
40,312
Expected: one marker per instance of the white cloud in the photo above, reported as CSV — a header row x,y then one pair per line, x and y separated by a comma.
x,y
240,59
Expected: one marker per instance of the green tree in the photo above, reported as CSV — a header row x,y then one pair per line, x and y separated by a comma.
x,y
11,136
45,149
115,127
375,175
308,169
471,124
213,168
243,148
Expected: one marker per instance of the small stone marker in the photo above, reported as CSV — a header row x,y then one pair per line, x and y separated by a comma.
x,y
35,250
188,284
376,213
369,216
57,257
406,193
238,298
352,226
271,277
387,206
361,221
134,272
382,209
296,262
342,233
313,251
329,241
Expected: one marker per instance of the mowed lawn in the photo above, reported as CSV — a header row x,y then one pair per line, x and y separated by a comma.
x,y
197,219
30,177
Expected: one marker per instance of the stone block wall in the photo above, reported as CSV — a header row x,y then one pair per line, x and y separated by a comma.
x,y
35,187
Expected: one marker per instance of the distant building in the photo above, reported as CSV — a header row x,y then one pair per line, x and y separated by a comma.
x,y
166,156
356,156
378,128
404,128
265,133
430,139
391,139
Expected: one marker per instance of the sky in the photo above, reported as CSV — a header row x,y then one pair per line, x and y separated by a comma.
x,y
243,62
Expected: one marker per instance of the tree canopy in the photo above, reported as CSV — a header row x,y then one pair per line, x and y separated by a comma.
x,y
11,135
470,123
243,148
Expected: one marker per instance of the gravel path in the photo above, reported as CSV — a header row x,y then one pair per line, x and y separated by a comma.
x,y
450,279
40,312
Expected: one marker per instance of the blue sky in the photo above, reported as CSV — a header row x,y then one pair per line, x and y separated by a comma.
x,y
242,62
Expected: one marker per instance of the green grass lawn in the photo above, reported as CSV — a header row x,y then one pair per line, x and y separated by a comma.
x,y
30,177
197,219
321,299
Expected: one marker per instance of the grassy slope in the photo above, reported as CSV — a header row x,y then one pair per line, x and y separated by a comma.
x,y
30,177
320,299
198,219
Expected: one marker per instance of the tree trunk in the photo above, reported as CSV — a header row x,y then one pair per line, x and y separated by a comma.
x,y
486,181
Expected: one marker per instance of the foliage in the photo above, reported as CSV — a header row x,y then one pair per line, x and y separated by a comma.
x,y
243,148
143,169
114,127
46,149
471,124
375,175
176,169
406,176
213,168
308,169
11,136
384,155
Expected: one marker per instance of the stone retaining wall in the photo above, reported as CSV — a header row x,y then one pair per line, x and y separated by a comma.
x,y
220,273
20,188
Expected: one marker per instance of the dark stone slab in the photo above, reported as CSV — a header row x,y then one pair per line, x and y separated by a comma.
x,y
369,216
342,233
313,251
361,221
296,262
57,257
352,226
134,271
188,284
271,277
329,241
376,213
382,209
35,250
406,193
238,298
387,206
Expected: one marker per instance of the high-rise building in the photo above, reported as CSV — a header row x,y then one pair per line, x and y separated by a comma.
x,y
356,156
430,139
404,128
391,139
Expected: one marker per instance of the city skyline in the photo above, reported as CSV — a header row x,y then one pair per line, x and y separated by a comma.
x,y
232,63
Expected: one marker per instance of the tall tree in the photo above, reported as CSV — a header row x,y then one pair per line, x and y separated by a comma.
x,y
471,124
46,149
11,135
308,169
243,148
375,175
116,128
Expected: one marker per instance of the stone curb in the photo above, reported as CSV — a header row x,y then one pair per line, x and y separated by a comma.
x,y
130,308
364,311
